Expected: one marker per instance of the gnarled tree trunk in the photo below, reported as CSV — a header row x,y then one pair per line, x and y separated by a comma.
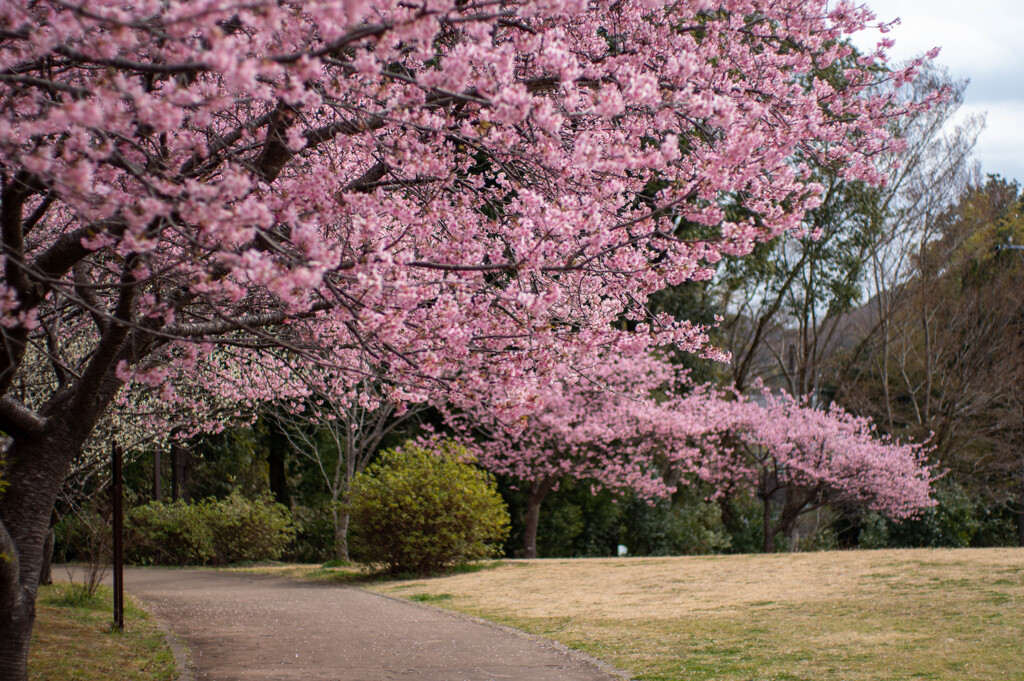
x,y
36,468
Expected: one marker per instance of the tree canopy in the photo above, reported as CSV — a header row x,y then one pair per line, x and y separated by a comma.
x,y
194,195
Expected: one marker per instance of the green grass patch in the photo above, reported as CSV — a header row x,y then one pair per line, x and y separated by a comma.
x,y
74,640
429,598
72,596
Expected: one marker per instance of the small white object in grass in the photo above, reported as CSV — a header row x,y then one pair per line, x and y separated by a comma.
x,y
623,551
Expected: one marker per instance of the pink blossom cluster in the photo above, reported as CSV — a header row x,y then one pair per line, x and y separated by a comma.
x,y
777,442
619,428
639,422
458,192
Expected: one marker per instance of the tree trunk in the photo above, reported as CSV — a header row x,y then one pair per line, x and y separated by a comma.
x,y
46,573
794,505
158,469
181,465
15,634
341,519
538,490
37,468
769,533
277,473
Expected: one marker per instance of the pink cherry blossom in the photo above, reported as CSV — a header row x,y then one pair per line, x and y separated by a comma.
x,y
452,191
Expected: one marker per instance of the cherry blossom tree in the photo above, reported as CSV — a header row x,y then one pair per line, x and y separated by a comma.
x,y
191,190
776,445
624,428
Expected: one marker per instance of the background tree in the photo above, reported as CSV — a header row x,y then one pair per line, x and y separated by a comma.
x,y
777,447
953,353
795,309
340,436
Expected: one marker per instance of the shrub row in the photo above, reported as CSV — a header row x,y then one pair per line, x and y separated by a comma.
x,y
413,511
208,532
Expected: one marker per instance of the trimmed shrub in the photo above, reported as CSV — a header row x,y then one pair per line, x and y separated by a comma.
x,y
418,511
173,533
211,531
245,530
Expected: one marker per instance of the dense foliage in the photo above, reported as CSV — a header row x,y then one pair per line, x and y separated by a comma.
x,y
229,530
420,511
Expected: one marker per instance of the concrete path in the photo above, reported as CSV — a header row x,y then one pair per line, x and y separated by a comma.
x,y
241,627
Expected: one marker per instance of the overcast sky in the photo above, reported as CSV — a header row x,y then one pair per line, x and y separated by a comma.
x,y
982,40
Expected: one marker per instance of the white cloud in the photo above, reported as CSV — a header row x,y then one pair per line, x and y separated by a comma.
x,y
980,40
977,38
1001,146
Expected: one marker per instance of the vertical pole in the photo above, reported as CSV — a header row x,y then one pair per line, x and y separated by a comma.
x,y
158,492
118,545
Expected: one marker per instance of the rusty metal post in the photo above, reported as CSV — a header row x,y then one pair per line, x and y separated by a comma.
x,y
118,493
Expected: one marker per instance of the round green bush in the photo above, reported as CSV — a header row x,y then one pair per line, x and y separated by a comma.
x,y
418,511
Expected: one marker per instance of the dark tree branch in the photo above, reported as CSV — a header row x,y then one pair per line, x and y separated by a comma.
x,y
325,133
12,204
276,153
88,296
366,181
17,420
109,349
189,68
368,31
32,220
252,321
67,251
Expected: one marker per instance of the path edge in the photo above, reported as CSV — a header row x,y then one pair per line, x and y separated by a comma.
x,y
182,660
579,655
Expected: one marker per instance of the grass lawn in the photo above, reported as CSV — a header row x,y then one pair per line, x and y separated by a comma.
x,y
851,616
73,640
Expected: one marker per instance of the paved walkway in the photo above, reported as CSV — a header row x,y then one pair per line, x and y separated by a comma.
x,y
241,627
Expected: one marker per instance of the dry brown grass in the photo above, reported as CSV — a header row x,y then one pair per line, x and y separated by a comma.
x,y
913,614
